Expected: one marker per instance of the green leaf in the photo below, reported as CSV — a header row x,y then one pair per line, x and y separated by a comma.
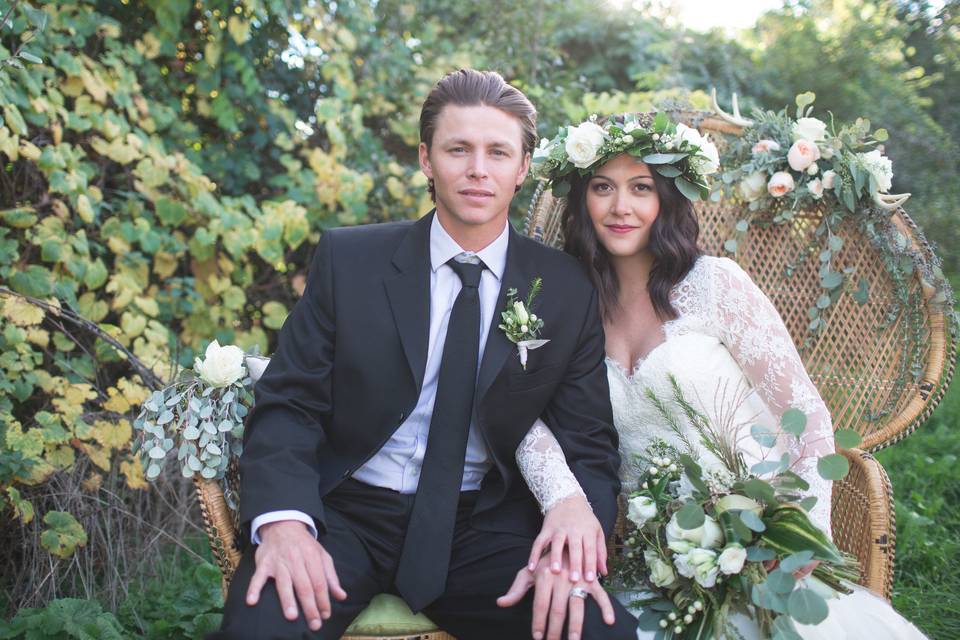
x,y
752,521
823,301
760,490
794,421
63,535
742,225
756,553
808,503
807,607
667,170
34,281
805,99
691,516
796,561
560,188
833,467
862,294
764,597
19,217
764,436
881,135
780,581
663,158
835,243
170,212
687,188
730,246
848,438
694,473
783,629
274,314
29,57
831,280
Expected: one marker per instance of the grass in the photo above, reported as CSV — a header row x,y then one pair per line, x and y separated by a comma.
x,y
926,487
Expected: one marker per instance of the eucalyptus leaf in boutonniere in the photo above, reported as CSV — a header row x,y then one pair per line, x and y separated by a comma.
x,y
520,325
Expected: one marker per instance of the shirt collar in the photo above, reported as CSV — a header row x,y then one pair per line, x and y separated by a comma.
x,y
443,247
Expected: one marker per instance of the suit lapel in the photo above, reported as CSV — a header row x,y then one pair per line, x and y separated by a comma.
x,y
409,293
498,348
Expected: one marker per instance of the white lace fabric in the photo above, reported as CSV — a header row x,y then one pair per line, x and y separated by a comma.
x,y
734,359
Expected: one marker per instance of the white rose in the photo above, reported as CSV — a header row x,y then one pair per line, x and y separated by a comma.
x,y
828,177
521,312
583,143
661,573
780,184
699,564
765,146
880,167
754,186
687,134
815,187
221,366
640,509
681,540
809,129
543,151
732,558
802,154
707,160
630,126
813,169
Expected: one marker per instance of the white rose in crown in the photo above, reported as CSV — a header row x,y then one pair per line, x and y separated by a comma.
x,y
680,540
221,366
640,509
707,160
583,143
802,155
754,186
661,573
780,184
880,167
809,129
732,559
542,151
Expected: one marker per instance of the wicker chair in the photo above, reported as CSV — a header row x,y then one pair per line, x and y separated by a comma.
x,y
858,367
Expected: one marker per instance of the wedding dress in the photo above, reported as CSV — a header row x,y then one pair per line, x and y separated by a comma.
x,y
735,361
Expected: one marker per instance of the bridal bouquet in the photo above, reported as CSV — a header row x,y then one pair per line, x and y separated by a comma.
x,y
200,415
706,540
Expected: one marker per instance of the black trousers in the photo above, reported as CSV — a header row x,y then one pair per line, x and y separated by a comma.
x,y
365,532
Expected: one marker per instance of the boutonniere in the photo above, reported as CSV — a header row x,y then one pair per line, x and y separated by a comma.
x,y
522,326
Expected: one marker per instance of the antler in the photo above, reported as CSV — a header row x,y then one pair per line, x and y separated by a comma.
x,y
736,118
890,201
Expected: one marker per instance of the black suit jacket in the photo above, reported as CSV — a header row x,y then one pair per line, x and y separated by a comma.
x,y
350,362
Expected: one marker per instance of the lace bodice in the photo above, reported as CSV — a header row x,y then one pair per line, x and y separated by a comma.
x,y
734,359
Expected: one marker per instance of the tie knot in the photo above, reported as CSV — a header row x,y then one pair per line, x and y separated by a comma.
x,y
469,272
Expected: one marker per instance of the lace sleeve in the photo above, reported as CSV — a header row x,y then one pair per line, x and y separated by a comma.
x,y
545,468
754,333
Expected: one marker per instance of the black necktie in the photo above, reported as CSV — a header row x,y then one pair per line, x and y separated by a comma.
x,y
425,559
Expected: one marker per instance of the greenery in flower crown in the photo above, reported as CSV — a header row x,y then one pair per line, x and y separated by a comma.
x,y
672,150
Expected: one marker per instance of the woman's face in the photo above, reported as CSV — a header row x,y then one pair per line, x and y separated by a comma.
x,y
622,202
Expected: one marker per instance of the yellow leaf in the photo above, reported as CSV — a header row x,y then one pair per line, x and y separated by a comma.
x,y
9,144
84,210
22,509
132,324
148,46
133,471
164,264
48,382
61,456
20,312
79,393
239,29
94,85
108,30
29,150
39,337
29,443
211,53
116,402
148,306
92,482
99,456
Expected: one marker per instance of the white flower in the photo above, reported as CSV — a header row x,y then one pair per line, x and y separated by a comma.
x,y
583,143
630,126
753,186
813,169
699,564
815,187
780,184
687,134
802,154
879,167
543,151
707,160
640,509
661,573
828,177
707,535
523,328
221,366
765,146
809,129
521,312
732,558
826,152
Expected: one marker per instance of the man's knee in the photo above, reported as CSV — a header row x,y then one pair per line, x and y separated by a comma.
x,y
623,628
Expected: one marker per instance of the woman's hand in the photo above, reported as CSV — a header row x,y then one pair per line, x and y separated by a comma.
x,y
571,523
799,574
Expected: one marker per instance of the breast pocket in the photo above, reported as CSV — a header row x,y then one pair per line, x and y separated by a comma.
x,y
526,380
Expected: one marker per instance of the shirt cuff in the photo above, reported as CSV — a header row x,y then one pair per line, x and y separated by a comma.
x,y
277,516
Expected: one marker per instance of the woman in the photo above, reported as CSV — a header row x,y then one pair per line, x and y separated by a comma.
x,y
670,311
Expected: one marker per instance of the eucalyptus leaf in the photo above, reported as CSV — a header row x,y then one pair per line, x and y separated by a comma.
x,y
751,520
664,158
831,280
157,453
765,466
757,553
847,438
730,246
796,561
759,490
225,425
691,516
783,629
807,606
208,473
794,421
862,294
194,463
687,188
763,435
214,449
165,417
742,225
667,170
833,467
153,471
780,581
808,503
191,433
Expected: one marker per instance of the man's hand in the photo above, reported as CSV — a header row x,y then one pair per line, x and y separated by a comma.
x,y
551,600
299,565
571,523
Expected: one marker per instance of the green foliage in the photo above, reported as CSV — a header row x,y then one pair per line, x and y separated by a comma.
x,y
186,605
63,618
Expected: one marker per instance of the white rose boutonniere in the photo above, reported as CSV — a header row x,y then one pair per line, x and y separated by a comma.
x,y
221,366
809,129
520,325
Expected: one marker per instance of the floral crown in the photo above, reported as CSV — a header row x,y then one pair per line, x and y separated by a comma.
x,y
672,150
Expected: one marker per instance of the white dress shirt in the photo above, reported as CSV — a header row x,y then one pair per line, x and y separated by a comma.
x,y
397,464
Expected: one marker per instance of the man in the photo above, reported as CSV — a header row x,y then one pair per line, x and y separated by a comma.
x,y
380,456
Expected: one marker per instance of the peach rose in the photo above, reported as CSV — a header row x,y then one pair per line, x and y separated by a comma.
x,y
765,146
802,154
780,184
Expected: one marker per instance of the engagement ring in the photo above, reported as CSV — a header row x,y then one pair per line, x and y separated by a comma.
x,y
579,592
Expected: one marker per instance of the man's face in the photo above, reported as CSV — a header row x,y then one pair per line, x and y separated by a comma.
x,y
476,160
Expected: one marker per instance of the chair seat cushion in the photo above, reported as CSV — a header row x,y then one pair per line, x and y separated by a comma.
x,y
389,615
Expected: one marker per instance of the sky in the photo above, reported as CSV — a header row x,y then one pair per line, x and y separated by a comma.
x,y
706,14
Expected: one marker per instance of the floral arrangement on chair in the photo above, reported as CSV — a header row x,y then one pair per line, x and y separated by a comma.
x,y
200,416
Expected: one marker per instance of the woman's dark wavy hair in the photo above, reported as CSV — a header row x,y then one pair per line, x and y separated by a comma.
x,y
673,242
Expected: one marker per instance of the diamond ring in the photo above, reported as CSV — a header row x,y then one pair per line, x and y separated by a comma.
x,y
579,592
